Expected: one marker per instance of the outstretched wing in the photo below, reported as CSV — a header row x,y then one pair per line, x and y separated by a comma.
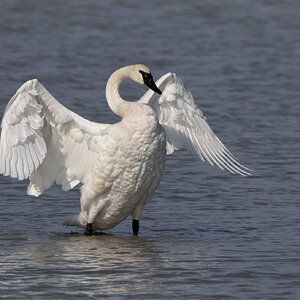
x,y
186,126
43,140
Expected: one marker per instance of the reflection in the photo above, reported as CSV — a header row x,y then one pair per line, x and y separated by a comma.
x,y
106,250
110,264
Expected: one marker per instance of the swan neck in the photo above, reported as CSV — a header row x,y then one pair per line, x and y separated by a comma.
x,y
116,103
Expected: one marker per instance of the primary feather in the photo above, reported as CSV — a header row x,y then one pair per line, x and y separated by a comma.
x,y
186,127
43,140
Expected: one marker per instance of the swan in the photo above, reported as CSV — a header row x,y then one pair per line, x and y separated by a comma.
x,y
119,165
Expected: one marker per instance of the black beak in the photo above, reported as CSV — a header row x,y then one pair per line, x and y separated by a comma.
x,y
149,82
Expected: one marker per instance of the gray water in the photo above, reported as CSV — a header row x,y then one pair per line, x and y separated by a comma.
x,y
206,234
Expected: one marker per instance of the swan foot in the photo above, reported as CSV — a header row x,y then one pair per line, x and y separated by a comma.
x,y
135,227
89,229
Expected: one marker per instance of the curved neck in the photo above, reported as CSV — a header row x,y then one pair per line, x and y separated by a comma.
x,y
114,100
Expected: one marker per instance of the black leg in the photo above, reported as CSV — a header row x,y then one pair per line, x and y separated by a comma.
x,y
135,227
89,229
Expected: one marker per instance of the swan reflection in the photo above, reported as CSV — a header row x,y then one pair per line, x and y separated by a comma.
x,y
110,264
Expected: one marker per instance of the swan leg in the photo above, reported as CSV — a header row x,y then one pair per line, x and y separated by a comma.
x,y
89,229
136,214
135,227
91,205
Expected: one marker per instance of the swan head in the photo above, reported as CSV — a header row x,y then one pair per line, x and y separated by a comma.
x,y
141,74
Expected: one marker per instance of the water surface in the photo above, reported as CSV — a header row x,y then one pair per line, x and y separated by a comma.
x,y
206,234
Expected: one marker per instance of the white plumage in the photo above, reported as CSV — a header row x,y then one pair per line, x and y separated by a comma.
x,y
119,165
186,127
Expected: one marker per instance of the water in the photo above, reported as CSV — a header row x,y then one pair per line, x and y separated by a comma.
x,y
206,234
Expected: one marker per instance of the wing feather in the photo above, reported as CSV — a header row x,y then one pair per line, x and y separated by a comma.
x,y
186,127
44,141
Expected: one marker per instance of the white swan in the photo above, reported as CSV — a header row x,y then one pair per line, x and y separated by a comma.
x,y
119,165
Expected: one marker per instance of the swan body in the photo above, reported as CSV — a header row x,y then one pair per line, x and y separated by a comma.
x,y
119,165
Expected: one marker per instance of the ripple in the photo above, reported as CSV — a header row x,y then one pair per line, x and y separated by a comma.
x,y
206,233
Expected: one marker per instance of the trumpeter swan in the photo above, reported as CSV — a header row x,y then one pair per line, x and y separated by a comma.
x,y
120,165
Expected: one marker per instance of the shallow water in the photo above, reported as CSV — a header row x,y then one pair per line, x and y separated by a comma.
x,y
206,234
